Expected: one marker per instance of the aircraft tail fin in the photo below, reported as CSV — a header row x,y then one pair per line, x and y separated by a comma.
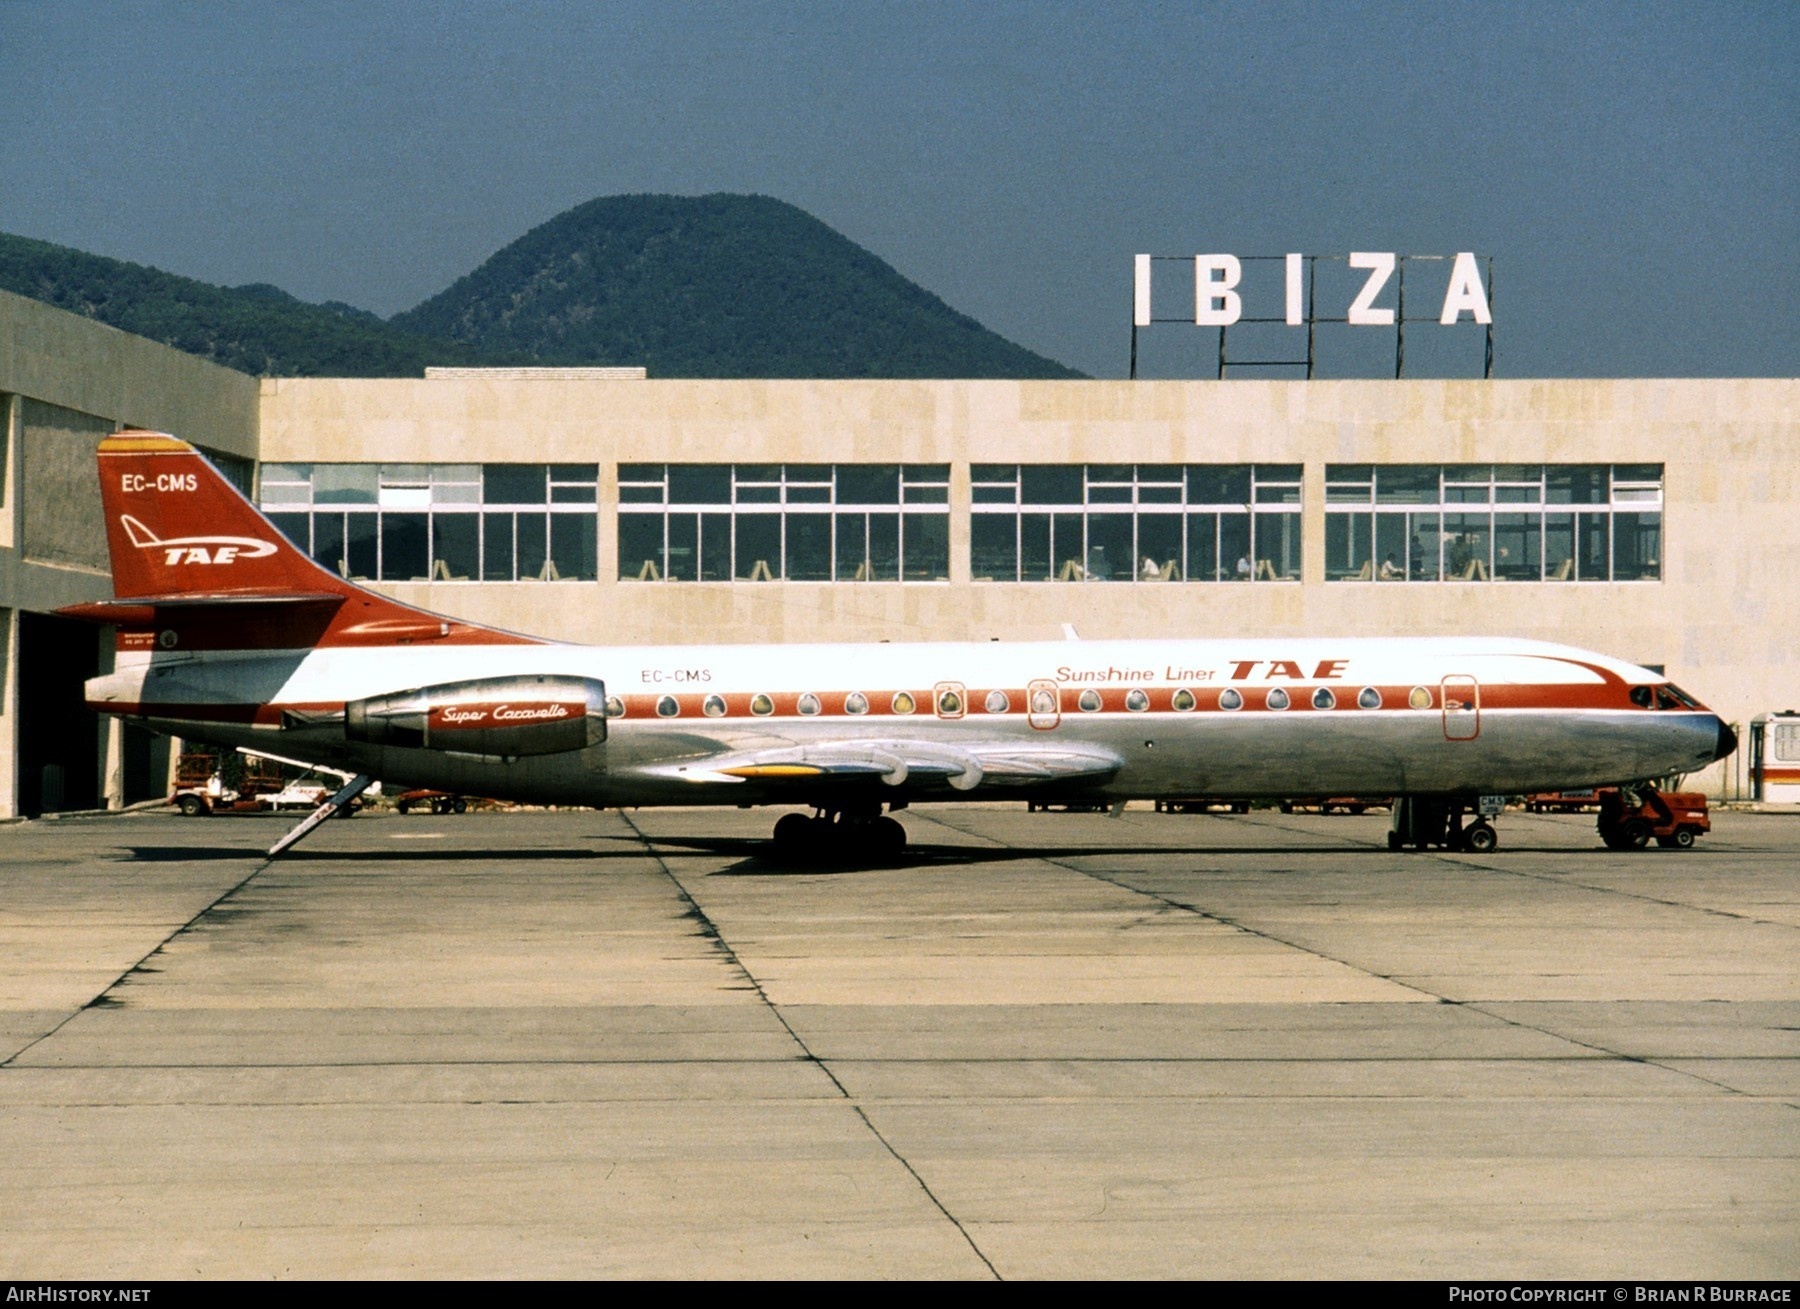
x,y
200,566
175,526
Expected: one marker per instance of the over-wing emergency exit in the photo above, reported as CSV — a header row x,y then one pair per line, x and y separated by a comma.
x,y
229,634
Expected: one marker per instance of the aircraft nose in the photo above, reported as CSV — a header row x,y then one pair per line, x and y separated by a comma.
x,y
1728,740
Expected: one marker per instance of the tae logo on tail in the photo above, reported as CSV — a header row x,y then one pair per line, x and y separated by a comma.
x,y
196,549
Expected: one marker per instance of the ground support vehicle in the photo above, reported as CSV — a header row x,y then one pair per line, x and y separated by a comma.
x,y
1202,806
439,802
261,785
1631,817
1560,802
1339,804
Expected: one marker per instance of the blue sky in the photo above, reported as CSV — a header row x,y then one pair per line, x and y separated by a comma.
x,y
1633,168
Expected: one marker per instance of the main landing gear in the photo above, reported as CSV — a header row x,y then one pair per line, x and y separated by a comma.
x,y
839,834
1421,821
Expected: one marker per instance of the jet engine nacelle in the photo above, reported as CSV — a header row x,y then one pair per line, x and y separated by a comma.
x,y
502,716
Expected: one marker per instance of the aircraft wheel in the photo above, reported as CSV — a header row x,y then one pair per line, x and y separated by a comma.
x,y
887,836
404,806
793,833
1396,841
1683,838
1634,835
1480,838
191,806
459,806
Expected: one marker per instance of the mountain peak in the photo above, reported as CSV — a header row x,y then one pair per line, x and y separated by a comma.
x,y
712,286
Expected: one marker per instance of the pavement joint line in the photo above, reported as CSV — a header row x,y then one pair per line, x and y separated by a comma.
x,y
101,997
800,1042
1475,1006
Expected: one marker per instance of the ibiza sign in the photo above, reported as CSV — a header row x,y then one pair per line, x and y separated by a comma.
x,y
1366,288
1217,302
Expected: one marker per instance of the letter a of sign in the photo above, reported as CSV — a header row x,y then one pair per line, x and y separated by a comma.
x,y
1216,304
1381,268
1465,292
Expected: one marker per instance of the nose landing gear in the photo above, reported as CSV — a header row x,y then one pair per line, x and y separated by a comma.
x,y
1421,821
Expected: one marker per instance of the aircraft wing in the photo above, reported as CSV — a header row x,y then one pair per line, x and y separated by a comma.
x,y
961,765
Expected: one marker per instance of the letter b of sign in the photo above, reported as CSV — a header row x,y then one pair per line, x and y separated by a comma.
x,y
1216,302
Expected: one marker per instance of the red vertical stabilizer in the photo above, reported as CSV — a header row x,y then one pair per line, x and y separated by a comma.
x,y
196,566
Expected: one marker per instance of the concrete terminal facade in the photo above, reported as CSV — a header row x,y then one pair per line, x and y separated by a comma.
x,y
1695,514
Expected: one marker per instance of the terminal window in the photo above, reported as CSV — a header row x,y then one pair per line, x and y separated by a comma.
x,y
1493,522
1135,522
784,522
440,522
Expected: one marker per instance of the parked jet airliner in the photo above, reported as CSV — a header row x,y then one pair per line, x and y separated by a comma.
x,y
229,634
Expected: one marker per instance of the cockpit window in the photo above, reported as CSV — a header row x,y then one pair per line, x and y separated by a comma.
x,y
1641,696
1682,699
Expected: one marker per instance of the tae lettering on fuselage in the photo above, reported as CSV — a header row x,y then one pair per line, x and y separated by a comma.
x,y
1243,670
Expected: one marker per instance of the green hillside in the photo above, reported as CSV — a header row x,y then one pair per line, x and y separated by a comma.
x,y
255,329
713,286
716,286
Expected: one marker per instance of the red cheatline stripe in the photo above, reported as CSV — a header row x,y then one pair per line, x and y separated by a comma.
x,y
691,705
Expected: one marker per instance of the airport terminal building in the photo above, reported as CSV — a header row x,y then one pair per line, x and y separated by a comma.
x,y
1653,519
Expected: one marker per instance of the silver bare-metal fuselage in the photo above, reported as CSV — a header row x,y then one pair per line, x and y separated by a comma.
x,y
1532,717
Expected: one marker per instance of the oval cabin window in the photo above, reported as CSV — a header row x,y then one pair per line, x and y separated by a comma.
x,y
1137,701
1368,698
856,703
761,705
1324,699
666,706
1420,698
1277,699
1230,698
997,703
1089,701
904,703
1183,701
809,704
615,707
713,706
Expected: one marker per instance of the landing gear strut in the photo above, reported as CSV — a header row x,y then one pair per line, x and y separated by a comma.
x,y
839,833
1421,821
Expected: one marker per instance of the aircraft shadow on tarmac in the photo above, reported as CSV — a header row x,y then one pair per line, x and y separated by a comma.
x,y
754,857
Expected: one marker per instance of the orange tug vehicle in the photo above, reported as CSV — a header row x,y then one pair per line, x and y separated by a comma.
x,y
1631,817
